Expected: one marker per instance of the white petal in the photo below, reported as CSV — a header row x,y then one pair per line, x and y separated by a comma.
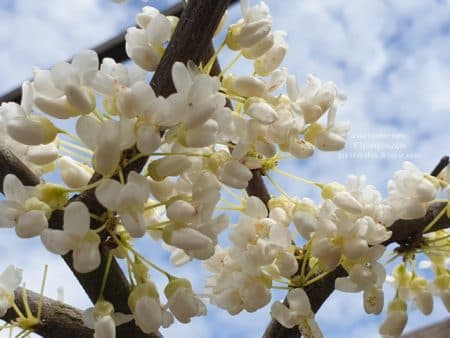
x,y
148,139
147,314
263,112
80,98
424,302
235,175
57,107
86,257
255,207
31,224
86,64
181,78
76,219
134,223
105,328
299,302
373,301
14,190
108,148
10,278
57,241
87,130
346,201
189,239
64,74
180,211
345,284
158,30
283,315
394,324
27,97
107,193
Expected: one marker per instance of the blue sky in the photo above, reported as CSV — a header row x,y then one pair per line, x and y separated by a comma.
x,y
391,59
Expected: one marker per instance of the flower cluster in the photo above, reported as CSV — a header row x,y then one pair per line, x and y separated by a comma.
x,y
206,140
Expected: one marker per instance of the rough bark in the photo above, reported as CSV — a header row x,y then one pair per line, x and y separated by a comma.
x,y
57,319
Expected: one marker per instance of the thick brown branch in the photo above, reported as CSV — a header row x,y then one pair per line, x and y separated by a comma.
x,y
404,231
57,319
257,187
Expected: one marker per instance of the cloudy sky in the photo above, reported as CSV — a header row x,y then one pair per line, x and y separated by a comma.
x,y
391,59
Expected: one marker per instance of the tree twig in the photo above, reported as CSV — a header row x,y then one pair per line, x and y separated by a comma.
x,y
57,319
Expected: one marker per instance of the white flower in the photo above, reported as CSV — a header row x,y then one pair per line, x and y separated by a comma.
x,y
152,112
368,277
394,324
65,90
104,320
144,45
22,209
261,111
23,126
298,313
267,63
234,174
107,140
113,77
315,99
410,191
148,313
197,99
10,279
245,85
73,173
173,165
76,236
182,301
237,291
250,30
187,238
128,200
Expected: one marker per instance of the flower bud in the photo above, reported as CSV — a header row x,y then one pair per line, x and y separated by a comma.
x,y
234,174
34,130
81,98
180,211
253,32
42,154
394,324
186,238
345,200
260,48
74,174
260,110
168,166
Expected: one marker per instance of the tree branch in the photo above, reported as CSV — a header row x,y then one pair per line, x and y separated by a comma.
x,y
57,319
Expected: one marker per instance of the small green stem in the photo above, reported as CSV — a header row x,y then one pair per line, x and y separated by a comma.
x,y
315,279
435,220
294,177
231,64
41,294
86,187
106,273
